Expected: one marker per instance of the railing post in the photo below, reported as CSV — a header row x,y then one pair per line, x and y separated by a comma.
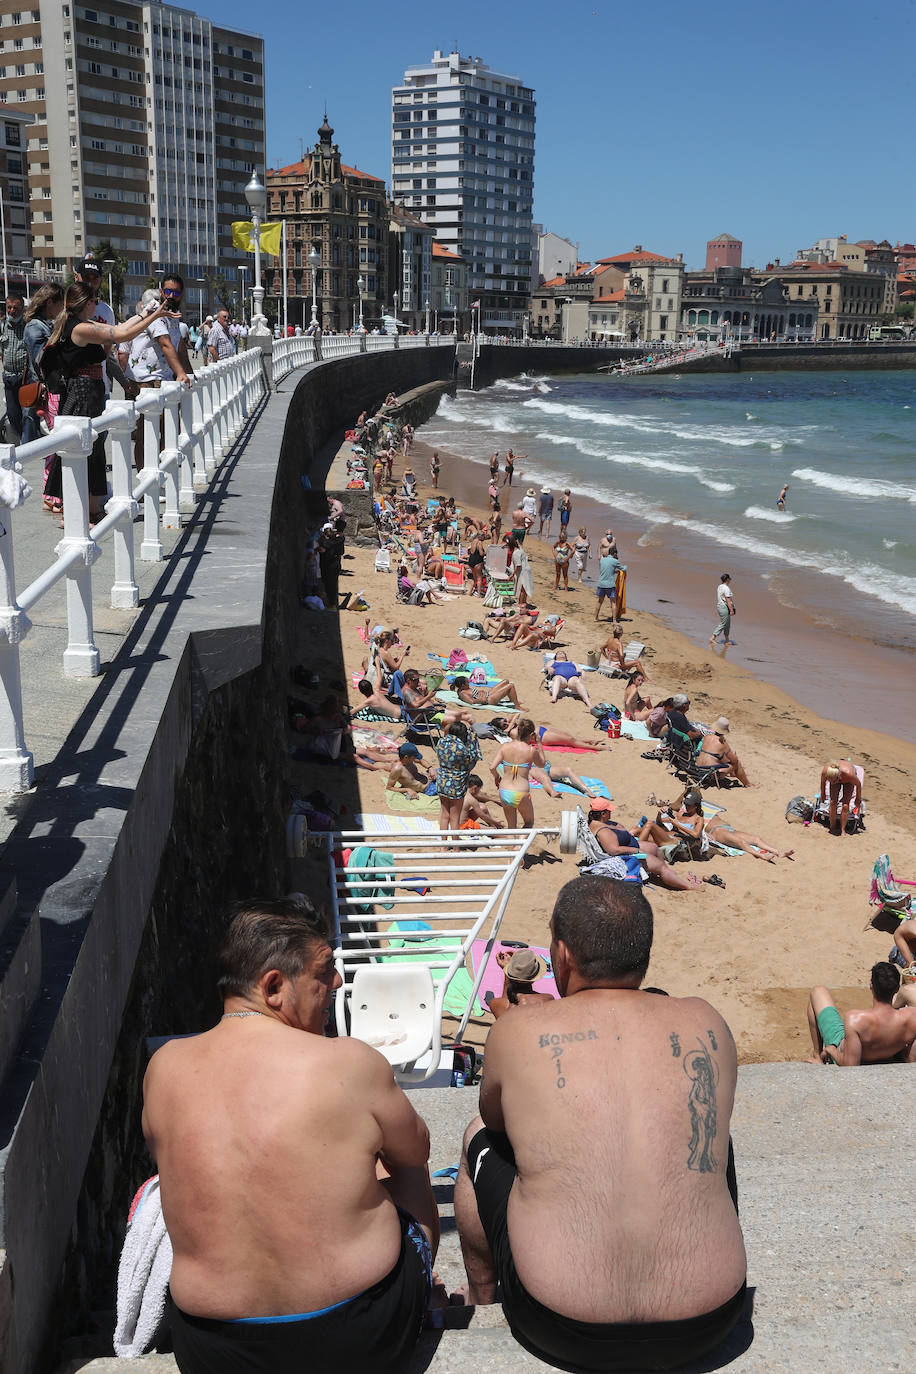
x,y
16,764
81,656
125,594
189,447
170,450
207,424
151,545
199,429
219,412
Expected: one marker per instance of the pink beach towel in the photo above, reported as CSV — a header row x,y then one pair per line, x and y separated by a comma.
x,y
493,979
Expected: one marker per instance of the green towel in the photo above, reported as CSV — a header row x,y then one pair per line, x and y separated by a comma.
x,y
397,801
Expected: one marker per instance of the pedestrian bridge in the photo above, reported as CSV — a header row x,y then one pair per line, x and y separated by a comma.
x,y
144,669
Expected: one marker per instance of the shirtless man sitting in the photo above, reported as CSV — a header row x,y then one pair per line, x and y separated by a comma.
x,y
273,1269
570,1145
840,786
376,701
408,774
715,750
876,1036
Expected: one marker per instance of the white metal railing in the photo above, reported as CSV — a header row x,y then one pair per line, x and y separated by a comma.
x,y
198,425
292,353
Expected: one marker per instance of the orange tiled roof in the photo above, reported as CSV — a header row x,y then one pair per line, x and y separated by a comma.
x,y
554,281
641,256
440,251
606,300
303,167
582,269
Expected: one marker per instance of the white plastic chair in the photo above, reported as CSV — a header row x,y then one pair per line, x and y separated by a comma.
x,y
383,561
392,1008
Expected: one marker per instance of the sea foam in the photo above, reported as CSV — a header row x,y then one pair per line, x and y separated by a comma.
x,y
857,486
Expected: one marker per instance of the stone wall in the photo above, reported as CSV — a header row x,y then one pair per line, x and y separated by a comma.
x,y
167,803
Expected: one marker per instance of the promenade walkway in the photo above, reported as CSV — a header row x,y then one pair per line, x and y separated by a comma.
x,y
822,1162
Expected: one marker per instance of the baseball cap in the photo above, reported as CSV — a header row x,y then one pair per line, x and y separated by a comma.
x,y
525,966
88,264
408,751
722,723
693,797
600,804
682,700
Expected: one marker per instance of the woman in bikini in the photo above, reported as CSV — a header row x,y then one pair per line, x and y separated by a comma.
x,y
562,553
511,768
720,833
635,705
476,557
550,737
581,548
486,693
686,824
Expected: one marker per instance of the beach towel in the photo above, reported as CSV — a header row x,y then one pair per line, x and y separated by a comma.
x,y
375,739
635,729
460,985
368,714
143,1275
595,783
567,749
493,979
375,821
398,802
449,698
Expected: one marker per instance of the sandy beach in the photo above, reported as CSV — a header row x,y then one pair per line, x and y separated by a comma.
x,y
754,949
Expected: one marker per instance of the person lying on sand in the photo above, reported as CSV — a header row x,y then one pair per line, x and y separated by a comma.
x,y
722,833
877,1036
563,678
715,750
559,772
485,693
375,700
618,842
521,968
408,774
505,626
551,738
535,636
476,806
840,786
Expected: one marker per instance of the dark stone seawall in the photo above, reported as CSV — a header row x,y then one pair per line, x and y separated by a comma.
x,y
804,358
167,803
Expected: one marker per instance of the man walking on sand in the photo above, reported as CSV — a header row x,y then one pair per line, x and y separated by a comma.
x,y
877,1036
293,1171
725,605
645,1266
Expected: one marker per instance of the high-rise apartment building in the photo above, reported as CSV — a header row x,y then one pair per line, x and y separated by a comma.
x,y
462,154
147,122
14,188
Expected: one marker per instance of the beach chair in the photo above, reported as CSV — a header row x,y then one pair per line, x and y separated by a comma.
x,y
683,761
383,560
856,820
886,890
631,653
453,575
400,976
495,562
419,723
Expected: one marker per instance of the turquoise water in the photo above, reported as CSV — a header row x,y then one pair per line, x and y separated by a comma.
x,y
702,458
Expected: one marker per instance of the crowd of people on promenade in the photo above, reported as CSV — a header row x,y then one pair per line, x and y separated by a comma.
x,y
268,1081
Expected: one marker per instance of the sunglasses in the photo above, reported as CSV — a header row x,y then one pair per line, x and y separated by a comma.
x,y
173,292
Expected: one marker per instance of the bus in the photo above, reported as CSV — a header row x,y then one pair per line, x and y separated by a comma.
x,y
879,332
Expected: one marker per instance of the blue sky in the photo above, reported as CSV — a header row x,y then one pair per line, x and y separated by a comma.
x,y
661,124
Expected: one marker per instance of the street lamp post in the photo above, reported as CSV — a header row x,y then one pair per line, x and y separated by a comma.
x,y
256,196
361,286
109,264
397,299
314,261
426,308
243,273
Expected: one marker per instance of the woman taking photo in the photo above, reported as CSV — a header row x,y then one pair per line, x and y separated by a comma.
x,y
75,353
39,322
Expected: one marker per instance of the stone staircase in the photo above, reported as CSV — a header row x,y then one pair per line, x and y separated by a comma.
x,y
824,1182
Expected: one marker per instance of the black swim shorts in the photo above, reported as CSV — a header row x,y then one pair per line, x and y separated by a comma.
x,y
374,1332
582,1347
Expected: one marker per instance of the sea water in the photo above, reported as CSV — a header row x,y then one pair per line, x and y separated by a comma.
x,y
698,461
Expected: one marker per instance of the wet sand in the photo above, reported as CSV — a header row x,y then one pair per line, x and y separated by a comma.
x,y
674,575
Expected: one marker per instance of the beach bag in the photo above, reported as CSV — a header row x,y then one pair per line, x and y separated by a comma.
x,y
799,811
478,676
593,658
456,659
472,630
433,681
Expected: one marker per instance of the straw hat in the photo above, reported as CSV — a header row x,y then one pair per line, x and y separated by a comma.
x,y
525,966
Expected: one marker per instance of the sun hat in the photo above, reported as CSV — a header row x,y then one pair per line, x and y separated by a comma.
x,y
681,700
722,724
530,491
525,966
408,751
600,804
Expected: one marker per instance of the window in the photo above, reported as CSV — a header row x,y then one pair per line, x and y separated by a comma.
x,y
13,136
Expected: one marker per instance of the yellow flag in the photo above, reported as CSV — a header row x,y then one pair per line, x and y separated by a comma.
x,y
270,238
241,235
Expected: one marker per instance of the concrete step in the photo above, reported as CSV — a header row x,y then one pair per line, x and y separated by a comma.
x,y
824,1182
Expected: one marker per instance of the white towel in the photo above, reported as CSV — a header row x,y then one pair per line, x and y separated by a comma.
x,y
14,489
143,1275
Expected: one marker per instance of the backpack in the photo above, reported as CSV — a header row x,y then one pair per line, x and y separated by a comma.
x,y
799,811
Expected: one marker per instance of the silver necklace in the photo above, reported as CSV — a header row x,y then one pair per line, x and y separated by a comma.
x,y
226,1014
